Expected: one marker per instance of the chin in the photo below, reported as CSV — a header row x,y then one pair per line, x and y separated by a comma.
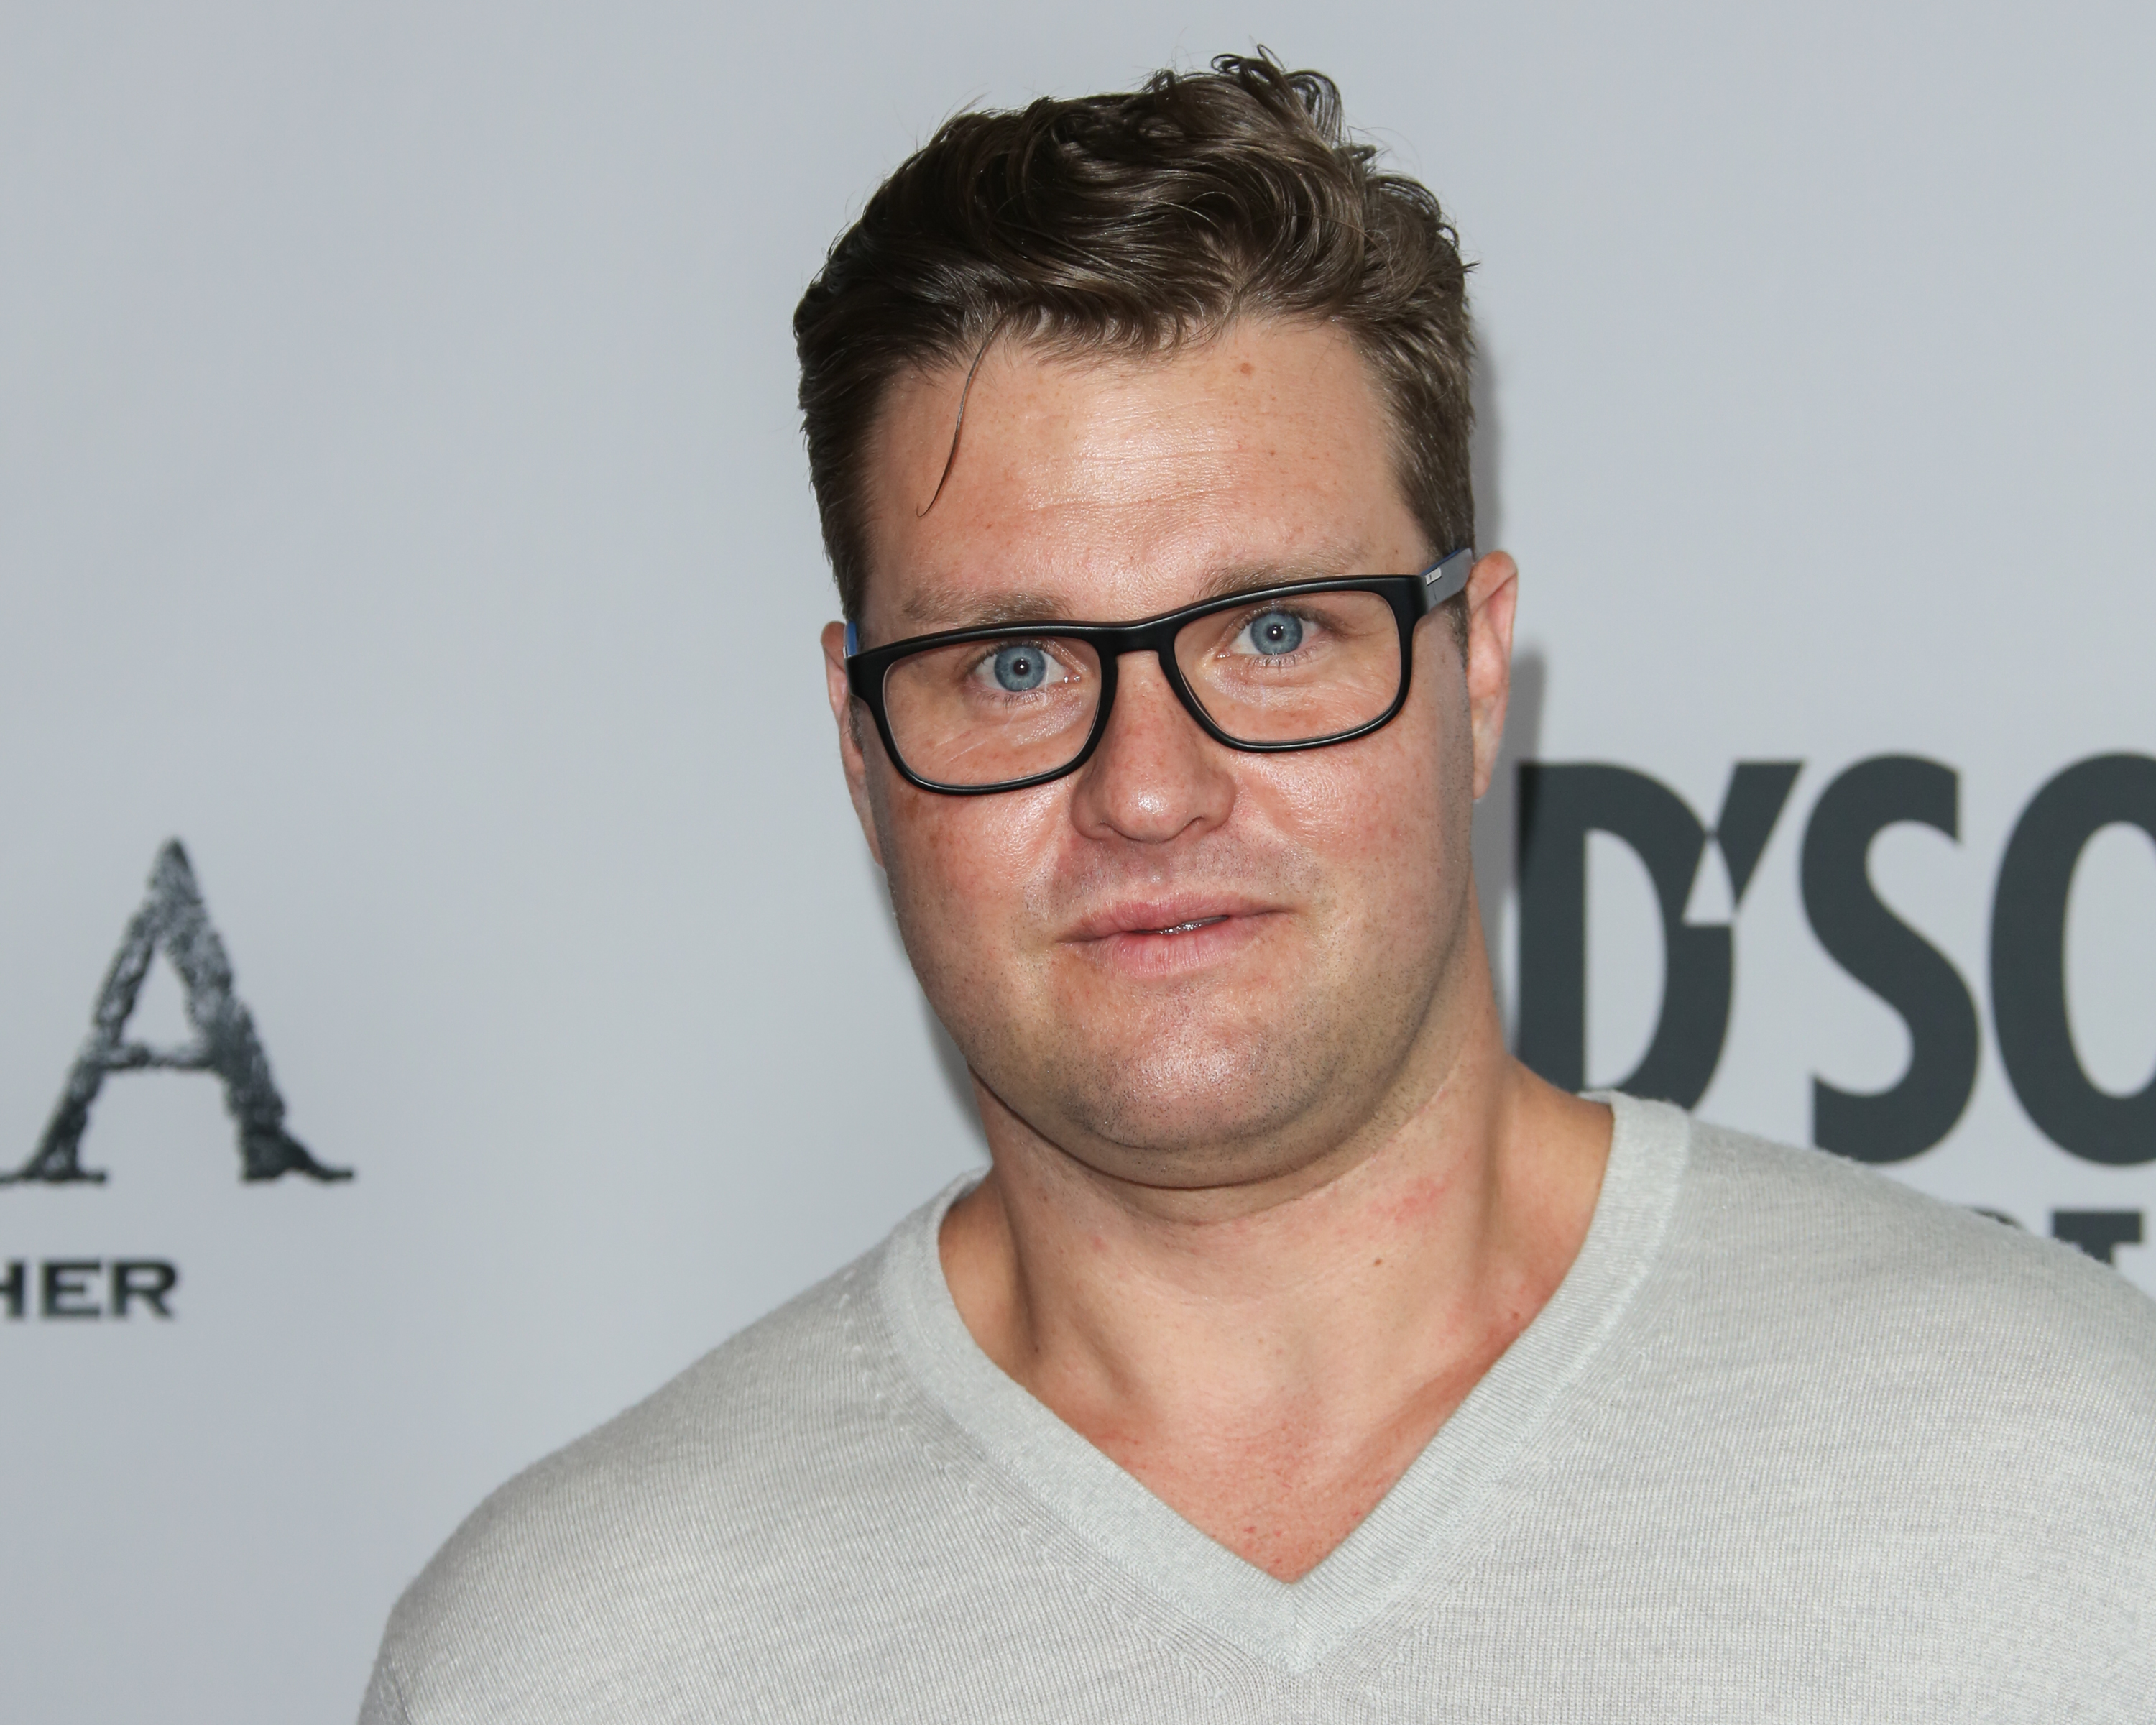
x,y
1190,1099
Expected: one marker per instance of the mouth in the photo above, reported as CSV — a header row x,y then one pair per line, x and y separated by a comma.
x,y
1182,927
1184,916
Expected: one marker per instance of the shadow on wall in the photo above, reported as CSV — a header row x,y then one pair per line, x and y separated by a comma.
x,y
1496,816
1486,451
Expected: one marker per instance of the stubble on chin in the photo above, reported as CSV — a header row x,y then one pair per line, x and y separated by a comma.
x,y
1184,1083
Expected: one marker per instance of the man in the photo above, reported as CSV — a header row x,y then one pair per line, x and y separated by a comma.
x,y
1302,1356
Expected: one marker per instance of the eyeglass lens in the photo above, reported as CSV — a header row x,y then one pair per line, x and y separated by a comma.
x,y
1287,671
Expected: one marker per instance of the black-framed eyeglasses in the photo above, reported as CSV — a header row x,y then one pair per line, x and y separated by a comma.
x,y
1300,666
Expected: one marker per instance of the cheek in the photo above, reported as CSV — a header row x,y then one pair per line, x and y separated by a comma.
x,y
1391,810
1371,830
963,869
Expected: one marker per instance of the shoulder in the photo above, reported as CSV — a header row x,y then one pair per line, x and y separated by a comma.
x,y
572,1577
1909,1425
1805,1244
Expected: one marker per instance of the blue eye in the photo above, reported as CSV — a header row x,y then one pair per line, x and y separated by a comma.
x,y
1021,667
1275,632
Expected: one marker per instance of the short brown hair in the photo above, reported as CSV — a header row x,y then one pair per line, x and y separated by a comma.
x,y
1132,222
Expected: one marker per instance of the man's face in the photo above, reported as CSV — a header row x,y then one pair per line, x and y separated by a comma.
x,y
1183,964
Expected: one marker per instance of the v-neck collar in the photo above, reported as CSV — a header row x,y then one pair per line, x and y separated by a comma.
x,y
1295,1623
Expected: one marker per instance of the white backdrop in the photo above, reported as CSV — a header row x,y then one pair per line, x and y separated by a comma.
x,y
401,502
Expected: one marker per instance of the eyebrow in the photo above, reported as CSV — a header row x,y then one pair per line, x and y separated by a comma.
x,y
936,608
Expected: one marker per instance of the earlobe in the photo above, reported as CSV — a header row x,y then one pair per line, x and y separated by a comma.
x,y
1492,595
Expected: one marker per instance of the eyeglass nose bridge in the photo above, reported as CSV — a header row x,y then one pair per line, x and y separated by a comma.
x,y
1158,638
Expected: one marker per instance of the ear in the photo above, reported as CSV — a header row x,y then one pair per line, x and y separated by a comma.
x,y
1493,589
847,712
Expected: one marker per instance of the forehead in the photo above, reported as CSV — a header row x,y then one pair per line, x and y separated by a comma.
x,y
1107,487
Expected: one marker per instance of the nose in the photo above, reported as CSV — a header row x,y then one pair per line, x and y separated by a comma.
x,y
1155,776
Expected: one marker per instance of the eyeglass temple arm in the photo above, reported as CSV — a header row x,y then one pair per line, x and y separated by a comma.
x,y
1448,576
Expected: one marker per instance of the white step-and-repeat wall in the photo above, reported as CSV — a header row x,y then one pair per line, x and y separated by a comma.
x,y
402,507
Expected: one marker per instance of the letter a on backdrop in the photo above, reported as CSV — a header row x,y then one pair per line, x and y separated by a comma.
x,y
174,920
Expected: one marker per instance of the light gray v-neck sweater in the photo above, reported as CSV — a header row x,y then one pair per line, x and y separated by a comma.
x,y
1789,1443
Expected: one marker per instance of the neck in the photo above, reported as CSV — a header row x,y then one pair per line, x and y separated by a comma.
x,y
1269,1358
